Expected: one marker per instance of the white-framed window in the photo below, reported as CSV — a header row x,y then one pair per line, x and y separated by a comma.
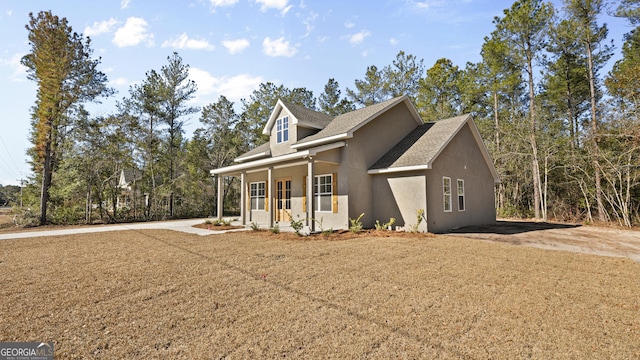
x,y
461,204
446,192
282,129
257,194
323,192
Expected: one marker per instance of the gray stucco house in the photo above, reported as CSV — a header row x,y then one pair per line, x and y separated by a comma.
x,y
381,160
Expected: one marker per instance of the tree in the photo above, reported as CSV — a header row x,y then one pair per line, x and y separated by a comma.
x,y
584,14
524,28
61,64
439,94
330,102
403,76
370,90
220,121
176,91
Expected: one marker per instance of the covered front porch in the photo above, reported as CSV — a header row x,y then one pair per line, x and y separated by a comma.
x,y
276,190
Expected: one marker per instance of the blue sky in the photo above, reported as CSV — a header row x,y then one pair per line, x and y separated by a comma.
x,y
234,45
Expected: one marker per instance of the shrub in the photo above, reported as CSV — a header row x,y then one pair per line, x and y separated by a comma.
x,y
254,226
419,216
296,225
356,225
385,226
275,229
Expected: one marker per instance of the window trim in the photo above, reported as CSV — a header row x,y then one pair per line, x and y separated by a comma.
x,y
257,195
317,195
461,196
282,130
446,194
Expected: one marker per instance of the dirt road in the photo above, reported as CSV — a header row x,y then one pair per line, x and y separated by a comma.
x,y
575,238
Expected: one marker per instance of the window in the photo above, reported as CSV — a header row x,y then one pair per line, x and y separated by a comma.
x,y
282,130
446,190
257,195
323,192
460,195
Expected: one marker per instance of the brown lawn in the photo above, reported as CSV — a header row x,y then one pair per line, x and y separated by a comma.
x,y
163,294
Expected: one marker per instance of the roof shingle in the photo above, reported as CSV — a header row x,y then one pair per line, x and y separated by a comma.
x,y
422,145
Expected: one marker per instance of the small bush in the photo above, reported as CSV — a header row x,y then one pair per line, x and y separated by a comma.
x,y
419,216
275,229
385,226
356,225
254,226
296,225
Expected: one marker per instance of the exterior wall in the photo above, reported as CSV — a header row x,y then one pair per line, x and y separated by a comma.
x,y
368,144
297,174
284,147
399,196
461,159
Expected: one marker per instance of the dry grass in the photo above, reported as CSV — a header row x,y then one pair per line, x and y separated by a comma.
x,y
161,294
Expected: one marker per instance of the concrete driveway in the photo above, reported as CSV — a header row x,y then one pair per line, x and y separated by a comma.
x,y
176,225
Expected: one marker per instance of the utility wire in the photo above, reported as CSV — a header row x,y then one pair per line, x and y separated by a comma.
x,y
10,157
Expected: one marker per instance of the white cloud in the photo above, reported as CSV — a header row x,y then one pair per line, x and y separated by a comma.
x,y
221,3
358,38
278,47
309,23
100,27
235,46
133,33
18,71
393,41
348,24
233,88
183,42
120,82
274,4
427,5
124,4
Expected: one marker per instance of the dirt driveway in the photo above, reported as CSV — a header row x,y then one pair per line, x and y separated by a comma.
x,y
575,238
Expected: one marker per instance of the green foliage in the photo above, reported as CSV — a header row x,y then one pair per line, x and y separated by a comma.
x,y
296,225
330,102
419,218
356,224
385,226
275,229
254,226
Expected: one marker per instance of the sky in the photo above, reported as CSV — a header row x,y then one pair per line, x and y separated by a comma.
x,y
232,46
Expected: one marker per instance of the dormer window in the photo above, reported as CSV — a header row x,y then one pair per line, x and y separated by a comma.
x,y
282,130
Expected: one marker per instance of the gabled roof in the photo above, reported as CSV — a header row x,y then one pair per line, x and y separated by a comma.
x,y
300,116
343,126
420,148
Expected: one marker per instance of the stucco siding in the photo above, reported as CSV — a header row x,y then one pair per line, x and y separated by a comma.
x,y
283,147
368,144
399,196
461,159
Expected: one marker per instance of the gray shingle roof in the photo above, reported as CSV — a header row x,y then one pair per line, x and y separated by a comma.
x,y
347,122
422,145
257,150
308,116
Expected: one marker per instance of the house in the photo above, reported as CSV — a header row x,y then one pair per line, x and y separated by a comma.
x,y
381,160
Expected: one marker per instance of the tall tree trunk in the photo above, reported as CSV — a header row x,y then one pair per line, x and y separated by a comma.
x,y
602,214
46,181
535,167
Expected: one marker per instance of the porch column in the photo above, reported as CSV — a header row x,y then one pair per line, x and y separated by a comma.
x,y
270,201
220,196
243,198
311,214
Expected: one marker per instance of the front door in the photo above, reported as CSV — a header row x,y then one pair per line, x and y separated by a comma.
x,y
283,199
